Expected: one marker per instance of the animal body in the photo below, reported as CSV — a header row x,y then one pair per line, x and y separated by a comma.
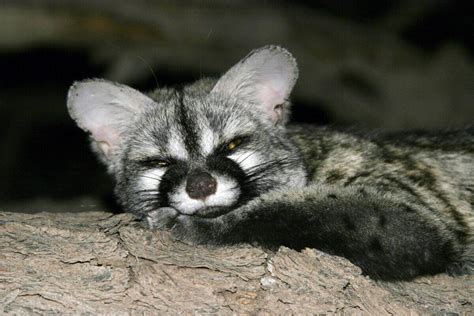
x,y
216,163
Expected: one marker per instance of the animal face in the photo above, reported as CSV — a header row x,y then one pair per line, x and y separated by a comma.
x,y
202,150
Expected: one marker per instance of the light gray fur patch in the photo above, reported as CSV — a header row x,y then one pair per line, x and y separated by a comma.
x,y
208,140
176,146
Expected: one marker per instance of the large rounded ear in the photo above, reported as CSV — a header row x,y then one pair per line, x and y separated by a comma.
x,y
264,78
105,110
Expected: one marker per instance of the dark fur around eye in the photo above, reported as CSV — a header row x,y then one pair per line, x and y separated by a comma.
x,y
235,143
155,162
170,180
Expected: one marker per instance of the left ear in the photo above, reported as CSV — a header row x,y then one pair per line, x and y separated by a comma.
x,y
106,110
264,78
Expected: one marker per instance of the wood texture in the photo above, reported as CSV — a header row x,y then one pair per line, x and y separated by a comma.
x,y
96,262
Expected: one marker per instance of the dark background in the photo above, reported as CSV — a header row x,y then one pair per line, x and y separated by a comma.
x,y
379,64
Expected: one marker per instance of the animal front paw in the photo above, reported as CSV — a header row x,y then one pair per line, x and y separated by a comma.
x,y
196,229
164,217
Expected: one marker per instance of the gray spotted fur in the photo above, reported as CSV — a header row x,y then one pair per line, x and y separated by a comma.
x,y
398,205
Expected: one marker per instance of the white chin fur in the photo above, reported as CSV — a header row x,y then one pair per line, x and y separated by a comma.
x,y
226,194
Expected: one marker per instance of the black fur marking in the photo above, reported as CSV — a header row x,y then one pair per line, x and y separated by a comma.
x,y
460,234
408,209
375,245
348,222
362,192
352,179
424,177
153,162
170,180
447,140
225,166
188,125
334,175
408,189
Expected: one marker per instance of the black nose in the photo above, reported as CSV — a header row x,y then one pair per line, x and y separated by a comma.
x,y
200,185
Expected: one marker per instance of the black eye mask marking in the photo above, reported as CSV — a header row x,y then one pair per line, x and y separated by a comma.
x,y
222,165
156,162
171,179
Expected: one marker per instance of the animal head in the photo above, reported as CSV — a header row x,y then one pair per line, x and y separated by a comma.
x,y
203,149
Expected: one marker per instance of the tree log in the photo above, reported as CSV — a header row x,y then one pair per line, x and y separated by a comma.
x,y
97,262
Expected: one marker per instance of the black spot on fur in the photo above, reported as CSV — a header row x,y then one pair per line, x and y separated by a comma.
x,y
375,245
382,221
408,209
363,192
422,177
170,180
332,196
334,176
348,223
352,179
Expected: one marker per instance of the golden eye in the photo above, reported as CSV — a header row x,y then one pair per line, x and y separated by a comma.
x,y
233,144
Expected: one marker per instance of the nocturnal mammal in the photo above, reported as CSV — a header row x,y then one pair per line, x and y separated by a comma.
x,y
216,163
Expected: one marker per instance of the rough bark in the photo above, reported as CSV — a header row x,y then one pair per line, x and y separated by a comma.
x,y
97,262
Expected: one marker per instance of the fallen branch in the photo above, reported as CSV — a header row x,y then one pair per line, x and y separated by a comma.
x,y
96,262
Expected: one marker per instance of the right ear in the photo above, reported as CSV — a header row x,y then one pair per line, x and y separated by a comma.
x,y
264,78
105,110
